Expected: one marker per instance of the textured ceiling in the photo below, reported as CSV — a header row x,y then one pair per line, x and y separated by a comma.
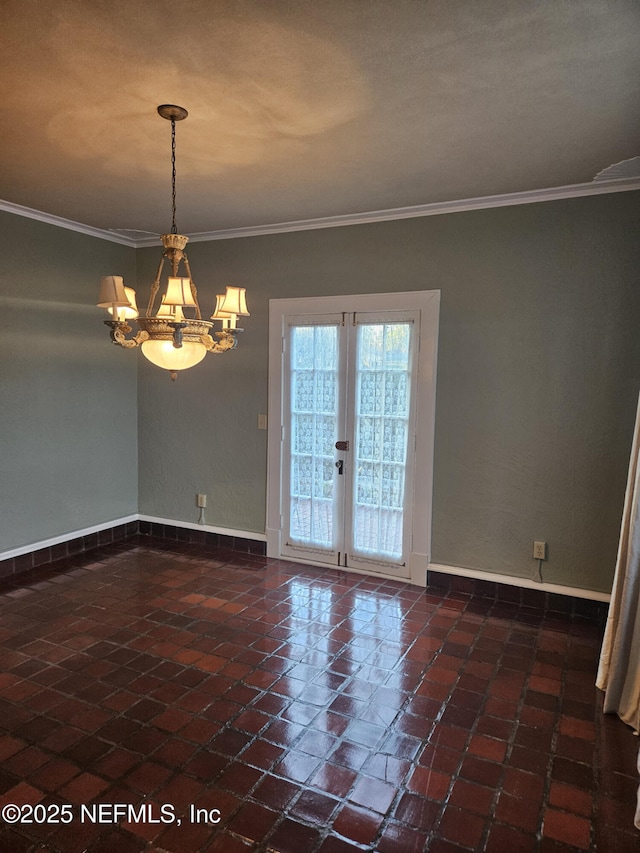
x,y
308,108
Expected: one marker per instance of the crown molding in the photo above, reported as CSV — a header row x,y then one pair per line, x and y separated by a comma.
x,y
418,210
435,209
60,222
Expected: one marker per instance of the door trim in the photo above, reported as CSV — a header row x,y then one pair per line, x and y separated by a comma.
x,y
427,303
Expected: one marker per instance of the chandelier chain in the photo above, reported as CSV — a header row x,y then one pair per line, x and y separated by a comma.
x,y
174,229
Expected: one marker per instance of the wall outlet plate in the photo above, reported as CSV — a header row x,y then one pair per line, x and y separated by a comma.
x,y
539,550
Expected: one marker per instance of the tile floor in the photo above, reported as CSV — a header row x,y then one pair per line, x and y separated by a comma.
x,y
198,702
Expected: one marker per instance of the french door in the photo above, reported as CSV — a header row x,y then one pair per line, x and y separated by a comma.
x,y
351,388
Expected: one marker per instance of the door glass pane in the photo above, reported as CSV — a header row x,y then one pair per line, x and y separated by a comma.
x,y
381,432
314,418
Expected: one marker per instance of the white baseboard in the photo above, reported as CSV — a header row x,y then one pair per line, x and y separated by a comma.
x,y
207,528
117,522
524,583
66,537
419,575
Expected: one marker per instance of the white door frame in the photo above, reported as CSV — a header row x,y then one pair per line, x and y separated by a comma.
x,y
428,304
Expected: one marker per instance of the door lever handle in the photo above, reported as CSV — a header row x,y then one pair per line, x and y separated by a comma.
x,y
340,465
342,445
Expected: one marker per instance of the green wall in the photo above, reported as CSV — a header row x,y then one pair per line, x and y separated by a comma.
x,y
68,414
538,376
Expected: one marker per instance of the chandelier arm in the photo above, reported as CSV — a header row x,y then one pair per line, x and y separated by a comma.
x,y
194,290
139,339
120,329
226,341
154,288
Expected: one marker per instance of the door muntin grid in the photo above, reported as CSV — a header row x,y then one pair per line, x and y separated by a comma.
x,y
382,410
314,406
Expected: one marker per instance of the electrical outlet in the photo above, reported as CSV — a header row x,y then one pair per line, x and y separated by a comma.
x,y
539,550
201,501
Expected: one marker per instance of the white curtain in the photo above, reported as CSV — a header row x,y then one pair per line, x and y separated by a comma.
x,y
619,670
637,818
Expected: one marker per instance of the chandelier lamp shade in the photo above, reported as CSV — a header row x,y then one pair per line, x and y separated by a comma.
x,y
172,333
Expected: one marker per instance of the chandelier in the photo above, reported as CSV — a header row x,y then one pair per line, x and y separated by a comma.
x,y
174,336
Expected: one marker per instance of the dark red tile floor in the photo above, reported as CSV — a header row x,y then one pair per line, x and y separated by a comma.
x,y
169,700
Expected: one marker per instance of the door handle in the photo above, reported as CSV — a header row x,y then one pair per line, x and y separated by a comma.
x,y
340,465
342,445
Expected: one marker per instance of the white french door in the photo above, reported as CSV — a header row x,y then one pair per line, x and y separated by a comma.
x,y
352,392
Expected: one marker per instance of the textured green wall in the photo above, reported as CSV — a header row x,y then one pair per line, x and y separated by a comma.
x,y
538,376
68,415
